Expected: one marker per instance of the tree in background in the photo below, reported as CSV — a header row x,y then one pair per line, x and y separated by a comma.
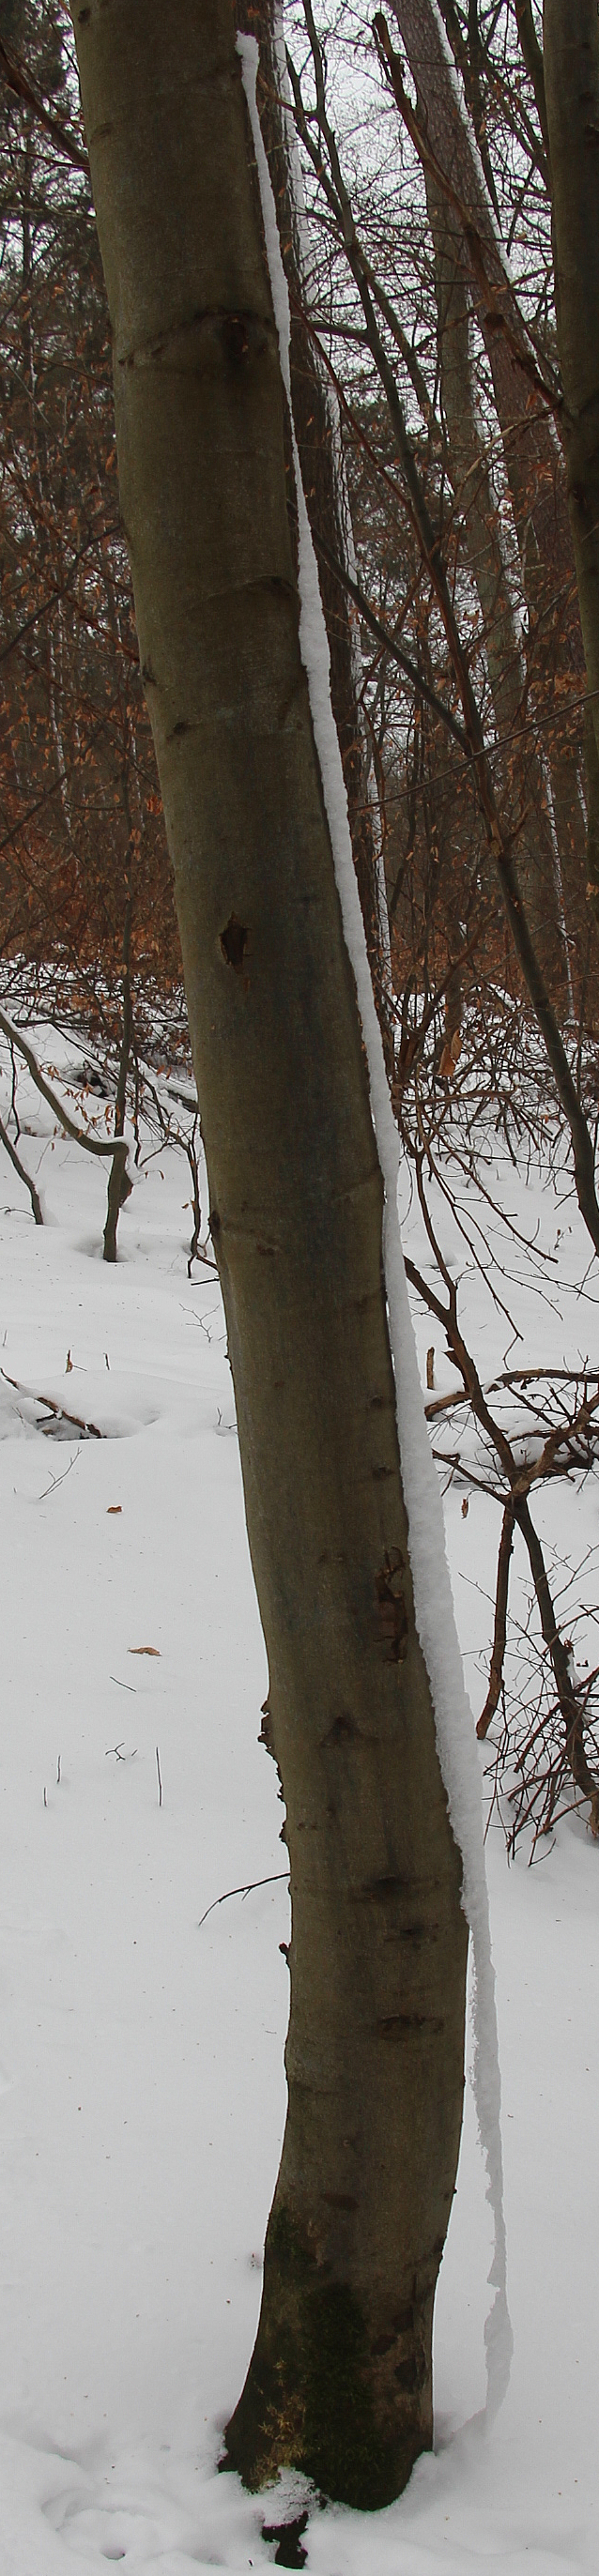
x,y
369,244
471,391
566,77
318,430
84,877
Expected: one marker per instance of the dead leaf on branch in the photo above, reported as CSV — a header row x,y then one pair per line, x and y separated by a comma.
x,y
450,1056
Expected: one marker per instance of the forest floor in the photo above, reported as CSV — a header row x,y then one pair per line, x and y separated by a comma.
x,y
141,2078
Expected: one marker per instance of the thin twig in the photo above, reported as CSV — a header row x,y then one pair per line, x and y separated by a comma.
x,y
23,1175
248,1890
22,87
52,1488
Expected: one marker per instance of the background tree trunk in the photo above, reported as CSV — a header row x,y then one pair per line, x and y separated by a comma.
x,y
322,472
571,64
520,765
340,2381
534,462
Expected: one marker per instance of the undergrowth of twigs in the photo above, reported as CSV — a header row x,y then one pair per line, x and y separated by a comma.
x,y
528,1774
489,1163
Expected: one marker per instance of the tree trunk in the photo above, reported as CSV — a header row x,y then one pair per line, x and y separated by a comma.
x,y
321,477
533,457
119,1185
571,63
340,2381
520,768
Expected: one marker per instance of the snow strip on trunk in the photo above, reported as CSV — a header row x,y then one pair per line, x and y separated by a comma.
x,y
432,1587
297,191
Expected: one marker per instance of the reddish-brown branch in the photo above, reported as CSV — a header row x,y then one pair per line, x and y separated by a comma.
x,y
17,81
500,1629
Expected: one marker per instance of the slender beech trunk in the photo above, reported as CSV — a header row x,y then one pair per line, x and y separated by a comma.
x,y
119,1185
321,477
534,465
521,771
532,451
340,2380
571,66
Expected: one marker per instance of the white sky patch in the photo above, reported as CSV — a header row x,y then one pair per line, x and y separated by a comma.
x,y
432,1587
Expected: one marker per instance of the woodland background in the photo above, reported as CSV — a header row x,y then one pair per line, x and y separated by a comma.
x,y
417,233
141,2083
445,418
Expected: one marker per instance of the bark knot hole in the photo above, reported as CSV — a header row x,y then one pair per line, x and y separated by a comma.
x,y
236,338
342,1730
392,1614
234,940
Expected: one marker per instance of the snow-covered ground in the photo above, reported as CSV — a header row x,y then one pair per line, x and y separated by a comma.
x,y
141,2085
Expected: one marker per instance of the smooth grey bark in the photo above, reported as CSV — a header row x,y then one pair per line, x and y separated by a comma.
x,y
571,68
340,2381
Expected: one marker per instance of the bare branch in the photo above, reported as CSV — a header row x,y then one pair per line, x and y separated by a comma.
x,y
18,82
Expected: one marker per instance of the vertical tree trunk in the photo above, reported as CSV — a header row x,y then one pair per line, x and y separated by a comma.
x,y
340,2381
313,416
520,768
119,1185
571,65
534,461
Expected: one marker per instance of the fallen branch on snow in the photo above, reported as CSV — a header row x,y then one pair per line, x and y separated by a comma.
x,y
88,1430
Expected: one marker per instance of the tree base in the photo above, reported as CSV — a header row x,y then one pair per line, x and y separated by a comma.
x,y
321,2396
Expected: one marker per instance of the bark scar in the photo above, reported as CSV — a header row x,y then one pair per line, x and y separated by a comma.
x,y
339,2199
406,2025
392,1616
234,940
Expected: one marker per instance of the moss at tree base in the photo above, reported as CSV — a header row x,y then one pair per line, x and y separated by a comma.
x,y
309,2397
